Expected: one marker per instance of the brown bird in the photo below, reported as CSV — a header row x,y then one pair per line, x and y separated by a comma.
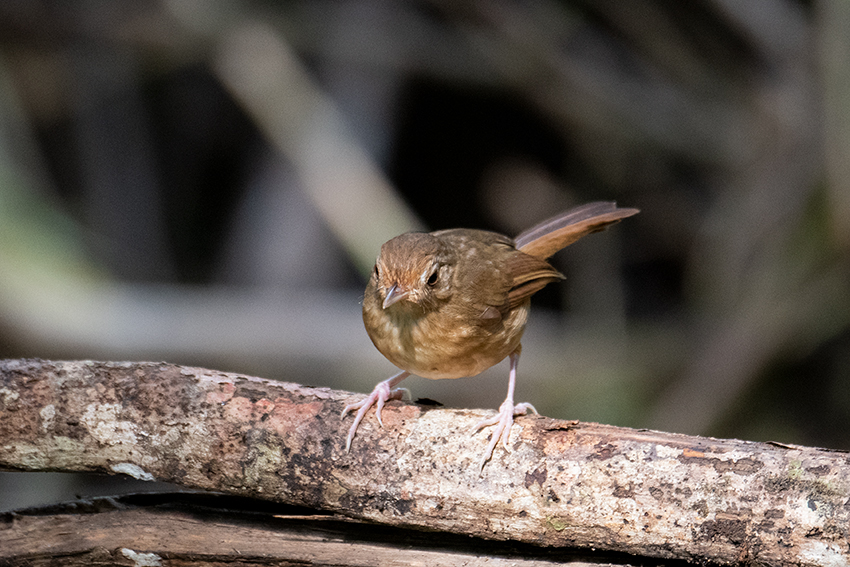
x,y
453,303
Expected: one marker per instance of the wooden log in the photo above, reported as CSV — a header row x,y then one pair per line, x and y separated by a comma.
x,y
203,530
564,484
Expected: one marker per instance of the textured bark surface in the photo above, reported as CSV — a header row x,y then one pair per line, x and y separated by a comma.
x,y
203,531
563,484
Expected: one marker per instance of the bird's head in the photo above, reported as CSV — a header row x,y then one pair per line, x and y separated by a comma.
x,y
414,268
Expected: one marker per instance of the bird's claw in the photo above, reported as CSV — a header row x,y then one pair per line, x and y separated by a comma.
x,y
382,393
503,422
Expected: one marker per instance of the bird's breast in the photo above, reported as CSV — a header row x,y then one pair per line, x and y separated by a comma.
x,y
441,343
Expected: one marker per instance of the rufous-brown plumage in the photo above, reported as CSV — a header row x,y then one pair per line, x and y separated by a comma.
x,y
453,303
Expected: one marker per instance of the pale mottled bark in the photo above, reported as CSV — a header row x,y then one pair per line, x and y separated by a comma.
x,y
564,483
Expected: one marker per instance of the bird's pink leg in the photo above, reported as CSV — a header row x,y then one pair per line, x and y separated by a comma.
x,y
383,392
505,418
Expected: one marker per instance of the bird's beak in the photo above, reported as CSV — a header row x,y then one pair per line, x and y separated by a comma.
x,y
394,295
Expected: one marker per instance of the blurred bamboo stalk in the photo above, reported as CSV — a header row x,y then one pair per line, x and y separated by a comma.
x,y
753,304
832,18
356,200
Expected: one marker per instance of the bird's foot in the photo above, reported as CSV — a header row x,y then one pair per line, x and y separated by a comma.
x,y
382,393
503,422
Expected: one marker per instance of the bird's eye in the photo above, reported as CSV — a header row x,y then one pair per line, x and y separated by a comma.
x,y
376,271
432,279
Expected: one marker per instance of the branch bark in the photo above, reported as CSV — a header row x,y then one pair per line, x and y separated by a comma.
x,y
564,484
200,530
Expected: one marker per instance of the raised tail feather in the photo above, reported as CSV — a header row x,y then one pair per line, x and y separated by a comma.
x,y
546,238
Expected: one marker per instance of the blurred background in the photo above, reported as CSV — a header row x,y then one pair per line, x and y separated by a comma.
x,y
209,182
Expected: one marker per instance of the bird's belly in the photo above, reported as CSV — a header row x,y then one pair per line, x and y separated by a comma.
x,y
441,347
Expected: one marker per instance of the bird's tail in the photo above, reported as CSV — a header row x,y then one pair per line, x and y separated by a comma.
x,y
546,238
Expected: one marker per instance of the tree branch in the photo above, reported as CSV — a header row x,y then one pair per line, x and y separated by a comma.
x,y
200,530
564,483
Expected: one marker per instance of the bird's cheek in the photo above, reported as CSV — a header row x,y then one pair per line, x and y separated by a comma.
x,y
443,292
